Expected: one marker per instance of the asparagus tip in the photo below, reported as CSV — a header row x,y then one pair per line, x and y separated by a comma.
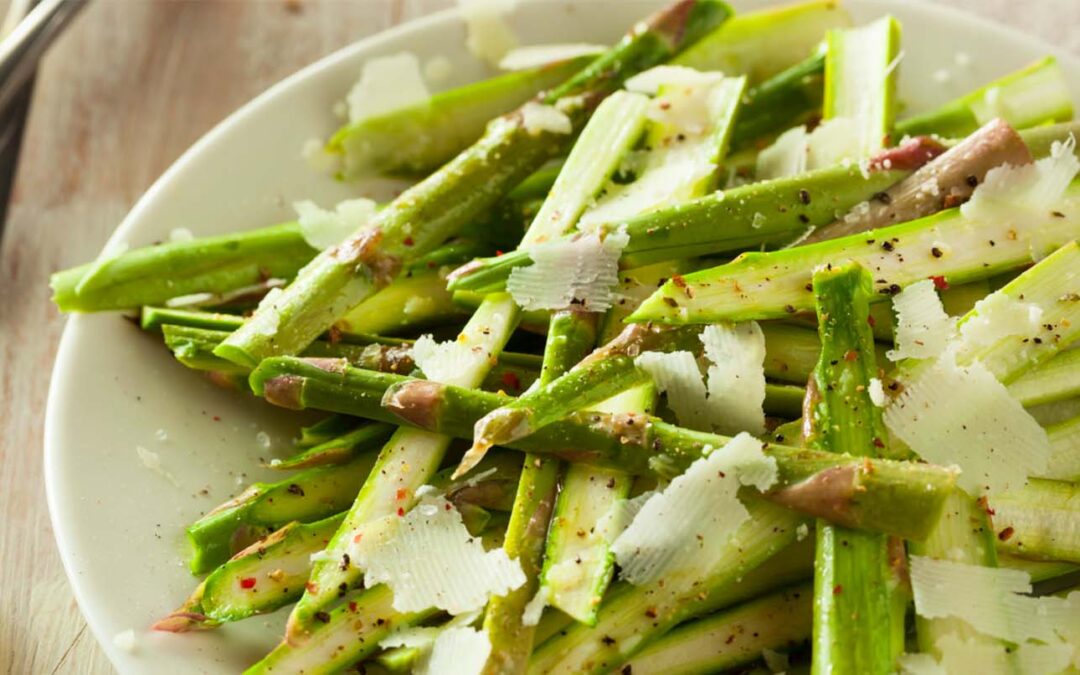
x,y
182,621
336,366
284,391
827,494
416,402
471,458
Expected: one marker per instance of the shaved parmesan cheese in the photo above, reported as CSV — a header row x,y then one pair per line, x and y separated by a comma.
x,y
960,655
535,56
538,118
677,375
324,229
620,515
582,271
962,415
445,361
922,326
319,159
438,69
1019,191
488,37
834,141
651,80
387,83
684,527
787,156
265,321
998,316
737,376
752,466
413,637
877,392
180,234
993,600
457,651
428,559
920,664
534,608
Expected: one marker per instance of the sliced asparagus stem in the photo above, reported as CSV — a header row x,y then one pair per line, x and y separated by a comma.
x,y
571,336
1055,380
422,137
774,285
731,638
326,429
943,182
900,498
1031,96
783,400
439,206
155,318
781,101
338,450
307,496
406,462
858,607
410,302
1040,520
632,616
1064,450
634,286
578,562
264,577
763,43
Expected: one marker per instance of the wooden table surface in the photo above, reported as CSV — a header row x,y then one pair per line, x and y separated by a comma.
x,y
128,88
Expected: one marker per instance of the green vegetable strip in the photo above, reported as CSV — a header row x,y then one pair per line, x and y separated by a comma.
x,y
763,43
858,616
578,562
1040,520
1064,450
860,82
326,429
571,336
900,498
632,616
407,461
611,133
1056,380
731,638
774,285
306,497
420,138
781,101
338,450
410,302
765,212
439,206
262,578
1034,95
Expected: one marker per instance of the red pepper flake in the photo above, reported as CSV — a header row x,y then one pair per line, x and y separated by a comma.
x,y
408,241
358,537
679,281
400,511
940,283
352,606
851,355
498,253
1006,534
217,418
870,320
402,493
247,583
878,443
448,507
837,589
511,380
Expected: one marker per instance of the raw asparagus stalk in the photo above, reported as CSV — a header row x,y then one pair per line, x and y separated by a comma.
x,y
337,450
1040,520
783,400
420,138
307,496
763,43
1064,461
578,562
774,285
407,461
899,498
570,337
766,212
1055,380
858,609
412,301
1031,96
632,616
436,208
781,101
326,429
634,286
731,638
264,577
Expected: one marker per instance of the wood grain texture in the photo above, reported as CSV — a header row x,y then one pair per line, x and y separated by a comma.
x,y
128,89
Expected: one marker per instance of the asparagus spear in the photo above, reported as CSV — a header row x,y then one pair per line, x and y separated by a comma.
x,y
763,43
1056,380
781,101
339,449
1031,96
570,337
412,301
1039,520
731,638
420,138
858,612
899,498
307,496
1064,461
437,207
946,245
326,429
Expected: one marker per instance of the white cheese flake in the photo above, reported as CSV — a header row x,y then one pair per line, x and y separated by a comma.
x,y
736,376
438,69
538,118
324,229
651,80
920,664
923,328
752,466
999,316
445,361
950,414
180,234
534,56
677,375
266,319
534,608
428,559
457,651
787,156
488,36
386,84
877,392
834,141
582,271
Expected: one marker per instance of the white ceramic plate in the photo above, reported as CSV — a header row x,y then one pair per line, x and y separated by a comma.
x,y
118,525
